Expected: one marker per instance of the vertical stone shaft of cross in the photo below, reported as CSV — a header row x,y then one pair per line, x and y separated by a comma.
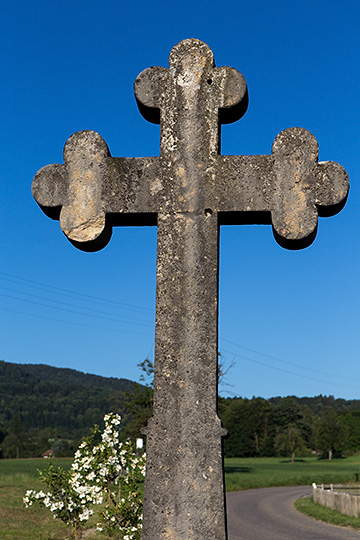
x,y
184,488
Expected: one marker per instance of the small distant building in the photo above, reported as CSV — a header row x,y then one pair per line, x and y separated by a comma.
x,y
48,453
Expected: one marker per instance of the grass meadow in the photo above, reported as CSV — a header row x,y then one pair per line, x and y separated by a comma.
x,y
16,476
17,522
251,473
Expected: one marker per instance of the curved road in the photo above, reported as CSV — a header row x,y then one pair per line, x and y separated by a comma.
x,y
269,514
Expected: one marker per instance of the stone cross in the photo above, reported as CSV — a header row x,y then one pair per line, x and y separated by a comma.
x,y
188,191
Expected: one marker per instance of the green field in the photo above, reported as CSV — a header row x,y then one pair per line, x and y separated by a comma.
x,y
17,522
16,476
250,473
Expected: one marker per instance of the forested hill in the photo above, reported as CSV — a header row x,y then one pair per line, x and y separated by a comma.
x,y
32,373
38,397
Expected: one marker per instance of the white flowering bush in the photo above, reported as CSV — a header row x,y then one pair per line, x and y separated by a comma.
x,y
107,474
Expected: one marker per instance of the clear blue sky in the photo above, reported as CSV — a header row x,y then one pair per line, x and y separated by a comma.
x,y
289,320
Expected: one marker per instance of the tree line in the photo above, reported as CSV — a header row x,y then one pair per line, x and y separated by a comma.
x,y
42,407
287,426
290,426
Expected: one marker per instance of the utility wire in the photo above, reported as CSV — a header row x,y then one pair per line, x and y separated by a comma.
x,y
74,311
58,290
140,321
268,356
277,359
72,323
285,370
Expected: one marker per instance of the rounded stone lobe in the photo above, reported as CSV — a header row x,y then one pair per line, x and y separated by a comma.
x,y
295,153
301,186
82,219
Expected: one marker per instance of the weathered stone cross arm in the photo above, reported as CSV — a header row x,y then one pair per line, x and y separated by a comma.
x,y
91,186
190,100
293,188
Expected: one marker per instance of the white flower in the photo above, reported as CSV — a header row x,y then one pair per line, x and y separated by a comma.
x,y
86,514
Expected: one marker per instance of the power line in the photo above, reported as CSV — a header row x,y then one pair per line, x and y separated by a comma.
x,y
60,290
74,311
72,323
277,359
135,320
284,370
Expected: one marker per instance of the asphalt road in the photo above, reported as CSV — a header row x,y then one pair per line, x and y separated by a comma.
x,y
268,514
